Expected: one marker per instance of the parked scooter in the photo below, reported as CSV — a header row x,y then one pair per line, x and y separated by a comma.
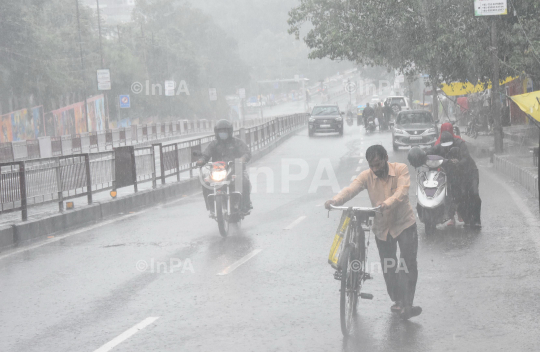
x,y
225,201
479,125
434,204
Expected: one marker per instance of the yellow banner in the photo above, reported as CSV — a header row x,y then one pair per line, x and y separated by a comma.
x,y
464,88
529,103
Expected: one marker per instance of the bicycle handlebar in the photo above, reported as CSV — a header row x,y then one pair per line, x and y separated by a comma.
x,y
356,208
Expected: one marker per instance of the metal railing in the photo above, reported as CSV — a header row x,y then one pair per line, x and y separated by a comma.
x,y
89,142
28,183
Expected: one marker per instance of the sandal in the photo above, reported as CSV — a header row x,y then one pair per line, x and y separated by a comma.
x,y
396,308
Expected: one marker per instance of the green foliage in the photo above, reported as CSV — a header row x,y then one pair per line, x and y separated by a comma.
x,y
166,40
440,37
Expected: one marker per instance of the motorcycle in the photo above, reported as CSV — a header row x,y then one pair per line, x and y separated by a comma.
x,y
434,205
371,126
478,125
350,118
225,202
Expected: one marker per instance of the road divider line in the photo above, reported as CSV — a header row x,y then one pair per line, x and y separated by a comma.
x,y
236,264
353,177
126,334
358,168
360,161
295,222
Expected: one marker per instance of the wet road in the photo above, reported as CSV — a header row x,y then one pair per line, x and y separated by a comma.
x,y
164,280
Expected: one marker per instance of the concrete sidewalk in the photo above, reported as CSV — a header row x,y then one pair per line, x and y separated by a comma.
x,y
516,162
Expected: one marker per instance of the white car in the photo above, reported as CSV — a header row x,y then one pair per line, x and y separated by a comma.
x,y
398,103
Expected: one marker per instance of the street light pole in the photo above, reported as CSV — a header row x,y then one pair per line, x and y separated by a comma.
x,y
99,31
496,109
82,66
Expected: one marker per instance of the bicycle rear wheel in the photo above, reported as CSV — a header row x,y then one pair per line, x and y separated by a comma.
x,y
348,292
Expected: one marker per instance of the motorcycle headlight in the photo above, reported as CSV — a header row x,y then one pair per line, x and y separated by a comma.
x,y
430,131
398,131
219,175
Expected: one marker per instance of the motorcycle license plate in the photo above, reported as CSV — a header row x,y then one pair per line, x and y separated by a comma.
x,y
416,138
324,126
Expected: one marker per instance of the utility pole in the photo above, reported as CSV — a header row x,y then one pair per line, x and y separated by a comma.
x,y
99,31
82,67
496,100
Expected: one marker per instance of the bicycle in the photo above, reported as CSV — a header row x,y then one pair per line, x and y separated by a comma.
x,y
352,262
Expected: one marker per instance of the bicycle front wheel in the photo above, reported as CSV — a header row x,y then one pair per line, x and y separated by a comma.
x,y
348,294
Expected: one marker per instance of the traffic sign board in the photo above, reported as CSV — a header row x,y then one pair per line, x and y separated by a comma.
x,y
104,79
125,102
242,93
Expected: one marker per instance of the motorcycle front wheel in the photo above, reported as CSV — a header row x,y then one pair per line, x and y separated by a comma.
x,y
223,224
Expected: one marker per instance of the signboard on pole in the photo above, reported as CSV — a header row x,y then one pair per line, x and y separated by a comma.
x,y
169,88
213,94
125,102
490,7
242,93
104,79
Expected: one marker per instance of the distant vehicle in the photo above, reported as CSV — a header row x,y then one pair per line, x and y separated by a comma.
x,y
375,100
414,128
326,118
398,103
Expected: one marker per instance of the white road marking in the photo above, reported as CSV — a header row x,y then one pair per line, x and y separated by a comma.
x,y
126,335
353,177
360,161
235,265
358,168
295,222
57,238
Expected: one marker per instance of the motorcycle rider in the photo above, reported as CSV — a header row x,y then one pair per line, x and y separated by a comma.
x,y
228,148
463,176
368,112
388,187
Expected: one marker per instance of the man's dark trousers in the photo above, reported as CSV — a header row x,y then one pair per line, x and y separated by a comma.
x,y
400,275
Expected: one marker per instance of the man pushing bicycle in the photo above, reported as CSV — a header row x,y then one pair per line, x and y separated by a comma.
x,y
388,188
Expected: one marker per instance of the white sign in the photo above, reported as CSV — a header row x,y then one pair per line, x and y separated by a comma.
x,y
104,86
490,7
400,78
169,88
213,94
104,79
242,93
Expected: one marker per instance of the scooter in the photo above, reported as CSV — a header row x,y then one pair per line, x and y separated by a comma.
x,y
434,205
225,202
371,126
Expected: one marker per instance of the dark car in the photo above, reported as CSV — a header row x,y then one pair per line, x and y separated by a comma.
x,y
414,128
326,118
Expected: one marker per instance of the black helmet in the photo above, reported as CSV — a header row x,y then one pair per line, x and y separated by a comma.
x,y
223,126
417,157
447,139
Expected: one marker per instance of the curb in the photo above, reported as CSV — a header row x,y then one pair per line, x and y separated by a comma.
x,y
20,233
521,175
